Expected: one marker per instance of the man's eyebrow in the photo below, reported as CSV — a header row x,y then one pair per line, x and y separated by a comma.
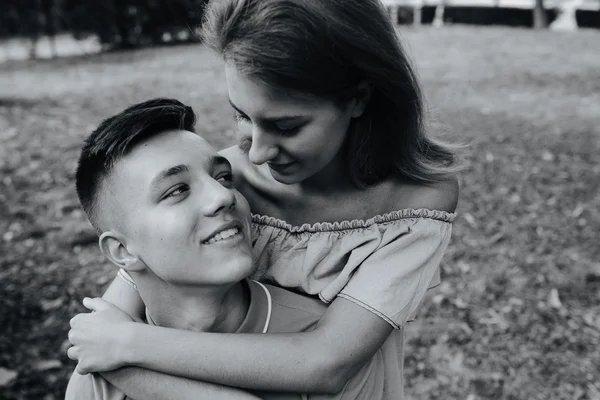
x,y
217,161
164,174
272,119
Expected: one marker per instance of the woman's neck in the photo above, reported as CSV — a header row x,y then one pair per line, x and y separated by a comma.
x,y
333,178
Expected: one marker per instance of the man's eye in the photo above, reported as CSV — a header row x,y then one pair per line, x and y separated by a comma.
x,y
177,191
225,179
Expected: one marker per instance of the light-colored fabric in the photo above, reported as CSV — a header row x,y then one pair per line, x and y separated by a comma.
x,y
290,312
92,387
124,275
384,264
379,379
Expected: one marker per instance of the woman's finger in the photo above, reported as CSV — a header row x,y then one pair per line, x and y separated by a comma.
x,y
81,370
72,353
96,304
73,321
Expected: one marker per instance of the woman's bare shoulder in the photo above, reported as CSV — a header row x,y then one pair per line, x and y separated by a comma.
x,y
441,195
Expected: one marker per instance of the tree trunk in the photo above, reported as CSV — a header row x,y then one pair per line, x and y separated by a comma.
x,y
49,11
540,21
417,14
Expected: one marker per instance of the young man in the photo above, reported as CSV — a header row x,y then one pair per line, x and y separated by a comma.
x,y
164,206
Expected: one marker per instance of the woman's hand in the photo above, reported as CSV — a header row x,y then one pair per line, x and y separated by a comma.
x,y
99,338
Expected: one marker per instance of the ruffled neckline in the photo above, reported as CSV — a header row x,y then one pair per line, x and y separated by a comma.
x,y
407,213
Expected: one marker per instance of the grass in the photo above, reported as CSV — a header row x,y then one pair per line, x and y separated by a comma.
x,y
518,314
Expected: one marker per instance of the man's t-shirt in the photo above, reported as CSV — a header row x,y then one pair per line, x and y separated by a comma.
x,y
276,310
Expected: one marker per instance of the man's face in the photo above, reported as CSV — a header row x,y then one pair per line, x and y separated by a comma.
x,y
172,198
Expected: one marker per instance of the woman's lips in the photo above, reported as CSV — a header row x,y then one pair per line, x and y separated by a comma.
x,y
280,167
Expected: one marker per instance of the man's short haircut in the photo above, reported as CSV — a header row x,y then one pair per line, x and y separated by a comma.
x,y
117,136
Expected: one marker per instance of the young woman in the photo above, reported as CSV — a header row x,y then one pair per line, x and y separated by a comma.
x,y
353,202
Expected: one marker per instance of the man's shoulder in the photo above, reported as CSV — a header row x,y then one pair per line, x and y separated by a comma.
x,y
293,312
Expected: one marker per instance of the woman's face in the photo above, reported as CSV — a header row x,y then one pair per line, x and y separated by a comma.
x,y
297,138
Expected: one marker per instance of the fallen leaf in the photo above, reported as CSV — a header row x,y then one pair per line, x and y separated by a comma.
x,y
493,318
460,304
470,220
438,298
463,267
591,320
515,301
7,376
48,305
547,156
554,300
496,238
47,365
465,328
103,279
577,211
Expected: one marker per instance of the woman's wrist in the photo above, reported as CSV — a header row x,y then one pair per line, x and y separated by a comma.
x,y
131,346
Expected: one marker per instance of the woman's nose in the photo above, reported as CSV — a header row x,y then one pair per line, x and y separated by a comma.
x,y
263,148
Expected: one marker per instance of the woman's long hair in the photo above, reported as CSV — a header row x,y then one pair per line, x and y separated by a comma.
x,y
325,48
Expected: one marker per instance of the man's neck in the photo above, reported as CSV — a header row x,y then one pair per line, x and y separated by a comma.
x,y
198,309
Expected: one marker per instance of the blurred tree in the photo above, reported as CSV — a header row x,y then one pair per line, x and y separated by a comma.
x,y
135,23
540,19
50,11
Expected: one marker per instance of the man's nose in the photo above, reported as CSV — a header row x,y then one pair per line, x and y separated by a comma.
x,y
218,198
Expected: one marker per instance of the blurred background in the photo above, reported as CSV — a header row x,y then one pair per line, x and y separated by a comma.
x,y
518,313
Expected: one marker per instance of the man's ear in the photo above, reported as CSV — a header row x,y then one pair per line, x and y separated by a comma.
x,y
112,245
361,98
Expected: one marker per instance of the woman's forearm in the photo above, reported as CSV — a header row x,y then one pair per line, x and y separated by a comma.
x,y
139,383
319,361
250,361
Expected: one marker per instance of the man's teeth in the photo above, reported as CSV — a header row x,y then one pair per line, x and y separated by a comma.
x,y
223,235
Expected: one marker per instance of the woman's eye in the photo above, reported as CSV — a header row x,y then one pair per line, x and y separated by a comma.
x,y
287,130
245,144
178,191
240,117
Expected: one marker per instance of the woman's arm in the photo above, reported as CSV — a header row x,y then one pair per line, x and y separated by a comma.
x,y
125,297
138,383
319,361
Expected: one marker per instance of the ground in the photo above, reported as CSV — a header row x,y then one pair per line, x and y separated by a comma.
x,y
518,314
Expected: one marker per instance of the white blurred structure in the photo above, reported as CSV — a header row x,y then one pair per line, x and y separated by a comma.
x,y
566,21
19,48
